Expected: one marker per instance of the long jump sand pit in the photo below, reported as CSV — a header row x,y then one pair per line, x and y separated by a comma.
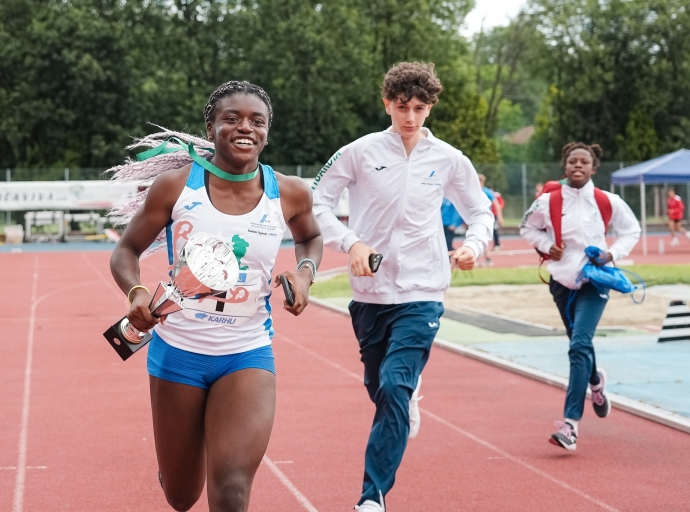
x,y
533,303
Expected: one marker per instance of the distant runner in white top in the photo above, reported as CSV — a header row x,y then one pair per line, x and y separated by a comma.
x,y
397,180
580,304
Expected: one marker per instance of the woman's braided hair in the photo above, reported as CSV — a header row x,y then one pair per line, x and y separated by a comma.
x,y
234,87
594,150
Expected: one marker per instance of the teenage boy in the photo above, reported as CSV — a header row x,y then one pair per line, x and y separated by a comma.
x,y
397,180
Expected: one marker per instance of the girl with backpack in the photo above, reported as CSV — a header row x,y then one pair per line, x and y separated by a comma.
x,y
560,224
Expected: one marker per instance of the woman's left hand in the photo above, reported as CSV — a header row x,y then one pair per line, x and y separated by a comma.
x,y
300,281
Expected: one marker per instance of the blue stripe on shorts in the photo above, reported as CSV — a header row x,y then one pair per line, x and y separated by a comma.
x,y
176,365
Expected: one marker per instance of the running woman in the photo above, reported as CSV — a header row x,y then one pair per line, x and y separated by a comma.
x,y
397,180
675,209
212,374
579,303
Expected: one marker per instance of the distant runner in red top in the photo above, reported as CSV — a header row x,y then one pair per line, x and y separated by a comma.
x,y
675,216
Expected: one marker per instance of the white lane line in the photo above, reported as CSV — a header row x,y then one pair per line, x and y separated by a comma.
x,y
20,477
524,464
110,283
623,403
290,486
27,467
316,355
486,444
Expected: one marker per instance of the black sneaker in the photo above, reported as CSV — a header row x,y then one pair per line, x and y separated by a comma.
x,y
565,437
600,402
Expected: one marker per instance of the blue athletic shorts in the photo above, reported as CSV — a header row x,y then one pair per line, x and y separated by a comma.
x,y
176,365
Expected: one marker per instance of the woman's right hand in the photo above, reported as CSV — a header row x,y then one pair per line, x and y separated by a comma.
x,y
556,253
139,313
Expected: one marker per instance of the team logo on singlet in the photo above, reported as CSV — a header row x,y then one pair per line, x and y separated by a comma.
x,y
264,227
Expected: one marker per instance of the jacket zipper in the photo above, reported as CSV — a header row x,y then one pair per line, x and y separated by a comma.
x,y
399,220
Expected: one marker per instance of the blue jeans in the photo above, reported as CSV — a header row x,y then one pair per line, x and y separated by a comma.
x,y
450,236
586,308
394,342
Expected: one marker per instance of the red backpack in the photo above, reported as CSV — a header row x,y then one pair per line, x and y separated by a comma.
x,y
556,210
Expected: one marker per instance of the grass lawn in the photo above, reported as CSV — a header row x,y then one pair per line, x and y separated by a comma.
x,y
339,286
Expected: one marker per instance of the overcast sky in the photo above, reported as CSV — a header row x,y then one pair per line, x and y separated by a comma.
x,y
494,13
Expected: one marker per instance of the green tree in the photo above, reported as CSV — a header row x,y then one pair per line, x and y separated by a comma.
x,y
608,59
640,141
79,78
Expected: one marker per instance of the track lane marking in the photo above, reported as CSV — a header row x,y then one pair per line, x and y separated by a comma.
x,y
301,498
20,478
467,434
524,464
106,281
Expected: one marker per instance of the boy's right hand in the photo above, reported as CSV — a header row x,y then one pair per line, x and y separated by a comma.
x,y
359,259
556,253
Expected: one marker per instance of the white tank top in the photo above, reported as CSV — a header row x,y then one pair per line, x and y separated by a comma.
x,y
239,320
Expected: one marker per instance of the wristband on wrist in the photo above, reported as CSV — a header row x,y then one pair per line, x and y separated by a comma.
x,y
129,295
312,265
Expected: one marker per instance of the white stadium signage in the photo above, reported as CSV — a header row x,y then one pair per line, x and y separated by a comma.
x,y
64,195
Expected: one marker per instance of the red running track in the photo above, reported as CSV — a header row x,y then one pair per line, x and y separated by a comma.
x,y
516,252
75,429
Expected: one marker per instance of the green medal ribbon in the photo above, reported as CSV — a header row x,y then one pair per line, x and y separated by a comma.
x,y
165,149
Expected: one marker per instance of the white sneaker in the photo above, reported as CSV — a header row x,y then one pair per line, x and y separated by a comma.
x,y
687,233
371,505
675,241
415,417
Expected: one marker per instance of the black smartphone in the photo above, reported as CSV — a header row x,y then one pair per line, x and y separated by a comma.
x,y
287,288
375,261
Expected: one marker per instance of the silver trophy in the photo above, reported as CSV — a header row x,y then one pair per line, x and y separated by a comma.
x,y
206,266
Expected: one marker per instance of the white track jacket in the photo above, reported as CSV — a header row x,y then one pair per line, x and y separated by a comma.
x,y
395,207
581,226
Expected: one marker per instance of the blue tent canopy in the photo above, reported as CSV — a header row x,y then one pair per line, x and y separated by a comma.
x,y
671,168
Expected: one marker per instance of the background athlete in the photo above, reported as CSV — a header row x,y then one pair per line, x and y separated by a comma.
x,y
675,209
212,374
579,303
397,180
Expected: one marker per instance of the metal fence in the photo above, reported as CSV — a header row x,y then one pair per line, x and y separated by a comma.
x,y
515,181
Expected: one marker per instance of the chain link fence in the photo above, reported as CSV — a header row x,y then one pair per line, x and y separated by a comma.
x,y
64,174
515,181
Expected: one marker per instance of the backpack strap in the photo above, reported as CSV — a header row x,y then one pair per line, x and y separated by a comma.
x,y
605,209
556,213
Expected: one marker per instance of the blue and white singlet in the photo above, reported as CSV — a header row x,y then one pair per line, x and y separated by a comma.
x,y
240,320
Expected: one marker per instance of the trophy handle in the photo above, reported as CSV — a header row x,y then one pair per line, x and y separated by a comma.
x,y
120,342
127,339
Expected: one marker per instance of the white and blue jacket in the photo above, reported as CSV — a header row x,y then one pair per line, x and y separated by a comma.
x,y
395,207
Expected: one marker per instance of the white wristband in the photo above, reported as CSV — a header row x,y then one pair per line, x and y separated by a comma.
x,y
311,263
